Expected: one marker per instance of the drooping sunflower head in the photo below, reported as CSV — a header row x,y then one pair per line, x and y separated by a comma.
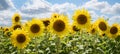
x,y
20,38
93,29
1,28
73,29
59,26
46,22
114,31
35,27
16,26
6,29
55,15
102,25
7,33
16,18
102,34
82,18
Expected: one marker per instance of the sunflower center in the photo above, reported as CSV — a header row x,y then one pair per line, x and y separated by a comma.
x,y
75,29
46,23
103,34
55,16
59,25
82,19
21,38
35,28
17,26
6,29
17,19
113,30
102,26
8,34
93,30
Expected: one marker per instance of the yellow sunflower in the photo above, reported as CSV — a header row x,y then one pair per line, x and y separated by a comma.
x,y
7,33
114,31
16,26
6,29
93,29
59,26
20,38
73,29
82,19
1,28
16,18
35,27
46,22
102,26
55,15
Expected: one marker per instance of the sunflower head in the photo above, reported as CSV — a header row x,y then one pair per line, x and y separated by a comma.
x,y
73,29
20,38
6,29
59,26
46,22
55,15
102,25
35,27
16,18
82,19
1,28
7,33
114,31
102,34
93,29
16,26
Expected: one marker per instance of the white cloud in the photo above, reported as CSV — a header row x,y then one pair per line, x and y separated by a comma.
x,y
94,16
7,9
5,17
103,6
61,8
114,9
36,7
42,8
96,5
6,4
114,19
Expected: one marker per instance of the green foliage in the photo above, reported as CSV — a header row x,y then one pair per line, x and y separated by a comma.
x,y
79,43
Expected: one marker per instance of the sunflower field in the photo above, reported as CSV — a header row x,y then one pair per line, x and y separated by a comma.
x,y
56,35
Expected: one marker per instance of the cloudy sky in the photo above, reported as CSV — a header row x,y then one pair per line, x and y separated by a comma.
x,y
109,9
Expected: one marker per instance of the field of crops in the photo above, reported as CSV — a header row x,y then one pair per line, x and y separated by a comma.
x,y
56,35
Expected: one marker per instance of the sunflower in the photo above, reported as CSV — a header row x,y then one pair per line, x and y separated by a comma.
x,y
102,26
55,15
74,29
7,33
82,19
16,26
1,28
6,29
59,26
46,22
93,29
35,27
16,18
20,38
114,31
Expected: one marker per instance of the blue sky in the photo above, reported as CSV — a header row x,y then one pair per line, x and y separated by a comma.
x,y
44,8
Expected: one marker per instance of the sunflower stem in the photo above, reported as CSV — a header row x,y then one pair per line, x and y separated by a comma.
x,y
58,45
36,52
20,51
